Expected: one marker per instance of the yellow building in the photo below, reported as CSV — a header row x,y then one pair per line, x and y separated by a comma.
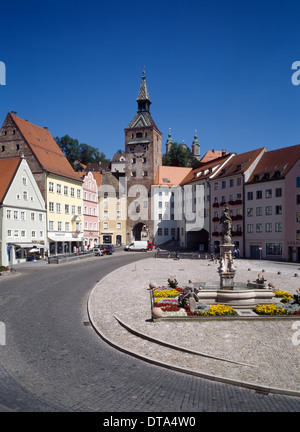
x,y
112,209
64,214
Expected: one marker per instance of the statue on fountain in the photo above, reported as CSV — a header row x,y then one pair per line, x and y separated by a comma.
x,y
226,222
227,269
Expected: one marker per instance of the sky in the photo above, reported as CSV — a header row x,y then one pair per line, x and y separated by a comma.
x,y
221,67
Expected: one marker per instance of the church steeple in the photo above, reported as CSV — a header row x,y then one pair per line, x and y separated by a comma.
x,y
143,98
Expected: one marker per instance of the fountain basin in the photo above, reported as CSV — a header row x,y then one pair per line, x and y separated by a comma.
x,y
240,296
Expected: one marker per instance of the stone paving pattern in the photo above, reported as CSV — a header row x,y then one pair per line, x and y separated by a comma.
x,y
263,351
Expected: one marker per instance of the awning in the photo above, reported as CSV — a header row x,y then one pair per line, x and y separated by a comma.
x,y
29,245
65,239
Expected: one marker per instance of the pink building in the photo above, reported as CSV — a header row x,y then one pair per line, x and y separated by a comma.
x,y
90,211
227,187
272,207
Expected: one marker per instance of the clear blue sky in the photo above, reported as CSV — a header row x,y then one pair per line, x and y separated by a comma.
x,y
222,67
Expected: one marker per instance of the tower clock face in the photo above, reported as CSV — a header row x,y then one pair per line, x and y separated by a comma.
x,y
139,151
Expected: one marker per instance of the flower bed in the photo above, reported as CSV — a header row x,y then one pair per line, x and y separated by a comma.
x,y
172,303
2,268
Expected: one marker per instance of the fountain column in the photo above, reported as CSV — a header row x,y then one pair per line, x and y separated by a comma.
x,y
226,269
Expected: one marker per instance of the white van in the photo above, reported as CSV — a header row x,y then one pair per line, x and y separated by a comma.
x,y
137,246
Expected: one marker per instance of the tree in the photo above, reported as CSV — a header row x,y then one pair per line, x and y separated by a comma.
x,y
178,155
79,152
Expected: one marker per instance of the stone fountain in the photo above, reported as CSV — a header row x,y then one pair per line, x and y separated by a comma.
x,y
237,294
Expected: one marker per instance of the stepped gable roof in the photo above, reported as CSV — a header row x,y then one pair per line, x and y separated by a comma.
x,y
205,170
239,163
170,175
275,164
45,148
8,169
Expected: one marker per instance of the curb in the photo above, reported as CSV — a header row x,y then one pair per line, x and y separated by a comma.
x,y
244,384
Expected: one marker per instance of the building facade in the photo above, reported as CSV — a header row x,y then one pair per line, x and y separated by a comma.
x,y
23,229
90,209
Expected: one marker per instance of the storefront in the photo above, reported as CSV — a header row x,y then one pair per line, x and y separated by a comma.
x,y
61,243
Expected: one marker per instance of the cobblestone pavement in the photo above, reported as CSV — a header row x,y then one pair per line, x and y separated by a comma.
x,y
248,352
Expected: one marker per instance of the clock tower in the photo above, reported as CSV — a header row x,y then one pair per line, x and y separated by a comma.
x,y
143,156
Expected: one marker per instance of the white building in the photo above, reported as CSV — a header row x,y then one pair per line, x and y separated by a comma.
x,y
23,229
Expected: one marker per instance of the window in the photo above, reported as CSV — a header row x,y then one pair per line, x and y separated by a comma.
x,y
274,248
159,204
250,228
250,212
72,192
23,233
298,217
8,214
67,226
250,196
25,195
223,184
166,231
23,215
59,226
78,193
67,209
159,231
9,233
268,227
33,234
172,231
278,192
145,173
118,214
119,225
278,226
297,199
3,148
51,206
258,211
79,210
16,233
51,187
73,208
268,193
66,191
238,181
278,210
32,216
105,225
231,183
41,234
268,210
105,214
58,208
259,227
58,188
259,194
298,182
24,181
51,225
216,185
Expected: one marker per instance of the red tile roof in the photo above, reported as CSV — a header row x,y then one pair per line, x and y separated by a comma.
x,y
44,147
204,170
170,175
212,154
8,169
275,164
239,163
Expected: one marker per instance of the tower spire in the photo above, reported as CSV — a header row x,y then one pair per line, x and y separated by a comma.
x,y
143,98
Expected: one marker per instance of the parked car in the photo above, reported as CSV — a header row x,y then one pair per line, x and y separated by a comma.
x,y
97,251
107,249
138,245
